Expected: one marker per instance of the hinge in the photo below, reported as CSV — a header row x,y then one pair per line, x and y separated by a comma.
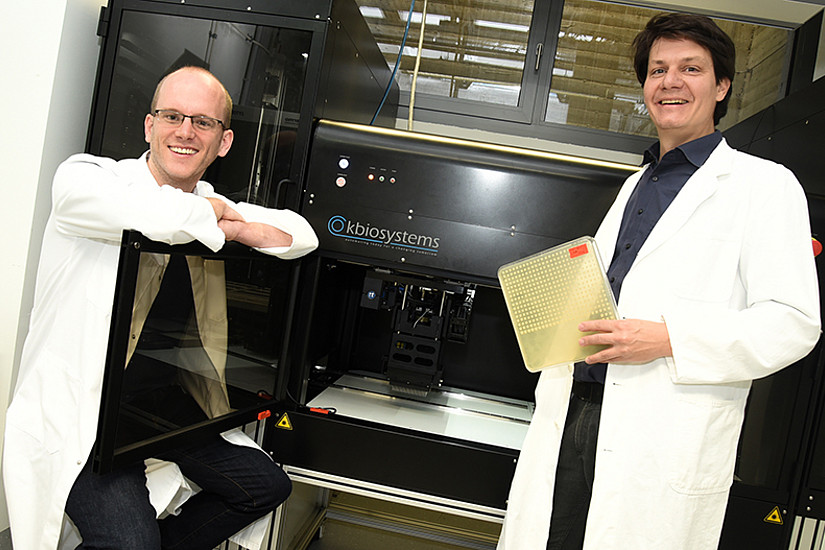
x,y
103,22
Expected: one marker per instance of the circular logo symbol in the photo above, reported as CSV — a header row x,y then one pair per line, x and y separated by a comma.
x,y
336,224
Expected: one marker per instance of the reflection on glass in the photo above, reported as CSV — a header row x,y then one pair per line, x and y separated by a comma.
x,y
205,342
471,50
763,445
263,68
594,84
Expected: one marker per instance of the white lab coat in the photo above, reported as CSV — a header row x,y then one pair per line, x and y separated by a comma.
x,y
52,420
730,270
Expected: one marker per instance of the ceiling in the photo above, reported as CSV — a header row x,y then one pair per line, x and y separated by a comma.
x,y
783,12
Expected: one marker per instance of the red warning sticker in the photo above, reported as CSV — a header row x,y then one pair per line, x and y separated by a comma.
x,y
577,251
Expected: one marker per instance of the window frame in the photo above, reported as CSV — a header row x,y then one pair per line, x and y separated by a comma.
x,y
527,118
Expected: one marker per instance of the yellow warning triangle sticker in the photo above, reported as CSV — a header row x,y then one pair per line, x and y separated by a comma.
x,y
285,424
774,517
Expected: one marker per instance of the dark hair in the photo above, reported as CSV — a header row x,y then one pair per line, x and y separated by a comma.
x,y
697,28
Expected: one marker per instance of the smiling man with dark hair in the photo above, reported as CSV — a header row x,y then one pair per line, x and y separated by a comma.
x,y
710,261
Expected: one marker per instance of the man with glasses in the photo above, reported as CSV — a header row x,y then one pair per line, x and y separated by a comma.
x,y
52,420
710,260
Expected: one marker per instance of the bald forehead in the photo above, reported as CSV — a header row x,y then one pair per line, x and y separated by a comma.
x,y
184,78
192,72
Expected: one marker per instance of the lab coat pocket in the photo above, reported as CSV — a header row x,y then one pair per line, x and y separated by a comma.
x,y
45,394
701,453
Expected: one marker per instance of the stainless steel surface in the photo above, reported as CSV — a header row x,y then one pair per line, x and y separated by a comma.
x,y
472,416
394,494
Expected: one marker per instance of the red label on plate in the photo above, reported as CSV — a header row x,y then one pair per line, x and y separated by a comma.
x,y
577,251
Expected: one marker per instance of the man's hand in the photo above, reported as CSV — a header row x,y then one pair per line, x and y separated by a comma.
x,y
236,228
223,211
630,340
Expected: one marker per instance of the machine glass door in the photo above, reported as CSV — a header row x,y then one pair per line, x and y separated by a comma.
x,y
263,65
773,437
812,491
194,348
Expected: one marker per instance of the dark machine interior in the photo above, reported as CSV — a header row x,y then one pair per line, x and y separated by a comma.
x,y
418,333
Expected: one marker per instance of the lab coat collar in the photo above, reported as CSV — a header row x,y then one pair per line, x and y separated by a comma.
x,y
699,187
696,152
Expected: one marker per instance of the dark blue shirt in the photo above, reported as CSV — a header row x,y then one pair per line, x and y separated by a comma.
x,y
658,186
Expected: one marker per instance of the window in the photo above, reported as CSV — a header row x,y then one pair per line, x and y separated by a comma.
x,y
543,70
471,50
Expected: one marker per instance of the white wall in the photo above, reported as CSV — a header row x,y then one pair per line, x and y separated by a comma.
x,y
49,55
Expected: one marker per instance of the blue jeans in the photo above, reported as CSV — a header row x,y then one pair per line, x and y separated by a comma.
x,y
239,485
574,475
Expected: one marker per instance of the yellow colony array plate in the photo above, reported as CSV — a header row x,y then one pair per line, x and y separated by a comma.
x,y
548,294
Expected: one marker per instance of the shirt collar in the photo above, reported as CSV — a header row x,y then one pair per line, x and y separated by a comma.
x,y
696,151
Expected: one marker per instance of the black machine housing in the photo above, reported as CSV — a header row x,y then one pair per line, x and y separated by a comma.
x,y
400,306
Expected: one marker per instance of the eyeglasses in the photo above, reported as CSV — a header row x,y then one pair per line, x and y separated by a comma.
x,y
199,122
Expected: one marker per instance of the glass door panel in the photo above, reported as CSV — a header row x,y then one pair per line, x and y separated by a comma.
x,y
264,68
195,347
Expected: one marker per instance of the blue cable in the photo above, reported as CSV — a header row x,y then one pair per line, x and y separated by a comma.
x,y
397,62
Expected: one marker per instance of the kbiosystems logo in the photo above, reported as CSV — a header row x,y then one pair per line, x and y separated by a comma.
x,y
339,226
